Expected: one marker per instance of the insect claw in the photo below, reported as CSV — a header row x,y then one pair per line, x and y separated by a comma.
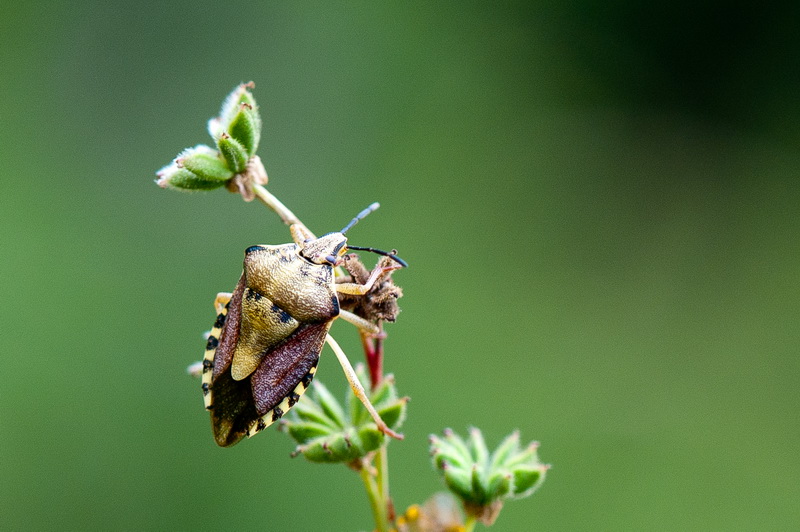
x,y
391,267
389,432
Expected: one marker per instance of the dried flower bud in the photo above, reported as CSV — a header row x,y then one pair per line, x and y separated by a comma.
x,y
380,303
483,480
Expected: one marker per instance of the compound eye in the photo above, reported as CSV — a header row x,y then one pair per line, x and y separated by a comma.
x,y
330,259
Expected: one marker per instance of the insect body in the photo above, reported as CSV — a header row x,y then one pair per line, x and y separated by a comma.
x,y
263,350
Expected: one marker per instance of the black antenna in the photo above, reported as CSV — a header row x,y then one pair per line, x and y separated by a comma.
x,y
359,216
392,255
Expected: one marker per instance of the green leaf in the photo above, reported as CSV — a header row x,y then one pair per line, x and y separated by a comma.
x,y
441,460
479,488
526,480
183,179
305,432
477,447
394,414
498,485
325,399
371,437
233,151
505,450
307,410
459,482
246,128
233,102
345,447
458,445
317,451
444,450
527,455
386,391
206,166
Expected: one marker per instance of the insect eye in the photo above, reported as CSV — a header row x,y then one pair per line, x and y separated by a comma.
x,y
331,259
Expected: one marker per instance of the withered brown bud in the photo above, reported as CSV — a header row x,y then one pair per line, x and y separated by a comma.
x,y
380,303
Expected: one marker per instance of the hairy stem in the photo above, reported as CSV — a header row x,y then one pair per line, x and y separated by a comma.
x,y
382,466
375,500
266,197
285,214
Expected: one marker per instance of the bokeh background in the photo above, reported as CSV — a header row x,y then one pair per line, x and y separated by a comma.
x,y
599,203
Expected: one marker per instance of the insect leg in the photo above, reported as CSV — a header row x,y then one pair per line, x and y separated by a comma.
x,y
300,233
361,289
363,325
358,389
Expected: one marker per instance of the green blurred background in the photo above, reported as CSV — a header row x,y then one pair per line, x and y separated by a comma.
x,y
599,203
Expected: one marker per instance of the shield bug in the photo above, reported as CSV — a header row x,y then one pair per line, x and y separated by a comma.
x,y
263,350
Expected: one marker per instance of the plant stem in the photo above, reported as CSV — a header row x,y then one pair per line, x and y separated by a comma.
x,y
373,353
285,214
469,526
266,197
375,500
382,467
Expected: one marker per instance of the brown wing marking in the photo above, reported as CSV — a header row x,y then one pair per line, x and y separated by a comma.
x,y
285,373
230,401
230,331
244,407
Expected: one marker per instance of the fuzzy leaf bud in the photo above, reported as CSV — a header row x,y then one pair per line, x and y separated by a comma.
x,y
483,480
234,153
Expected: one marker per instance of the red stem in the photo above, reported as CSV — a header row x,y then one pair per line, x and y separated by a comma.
x,y
373,352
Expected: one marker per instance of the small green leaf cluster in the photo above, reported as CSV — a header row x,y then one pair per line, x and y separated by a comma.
x,y
236,133
332,432
483,480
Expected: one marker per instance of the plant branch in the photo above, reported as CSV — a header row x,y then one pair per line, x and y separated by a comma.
x,y
375,499
373,353
382,466
266,197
